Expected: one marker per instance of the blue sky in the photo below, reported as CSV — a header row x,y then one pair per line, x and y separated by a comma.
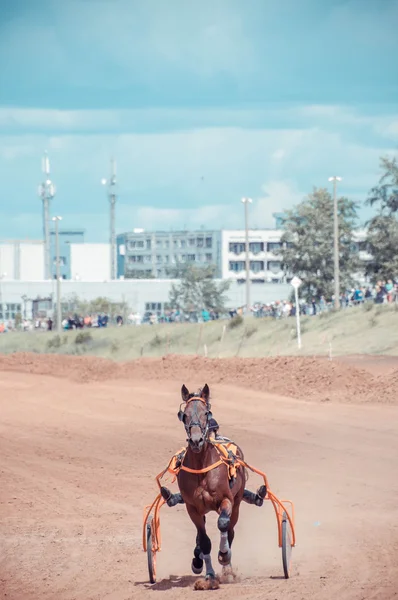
x,y
201,103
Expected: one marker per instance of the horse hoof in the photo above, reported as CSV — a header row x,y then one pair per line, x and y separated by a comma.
x,y
228,575
209,583
197,566
224,558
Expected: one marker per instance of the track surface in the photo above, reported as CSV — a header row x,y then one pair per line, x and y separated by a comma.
x,y
77,465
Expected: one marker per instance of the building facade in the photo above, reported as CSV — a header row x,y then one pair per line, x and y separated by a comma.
x,y
265,264
157,254
90,262
22,259
66,238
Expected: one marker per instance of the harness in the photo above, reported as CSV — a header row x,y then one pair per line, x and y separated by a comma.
x,y
227,452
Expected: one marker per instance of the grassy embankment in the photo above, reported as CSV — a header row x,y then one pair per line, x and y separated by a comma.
x,y
365,330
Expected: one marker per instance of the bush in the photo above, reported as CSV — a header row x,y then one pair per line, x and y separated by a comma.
x,y
236,321
83,337
156,341
250,331
54,342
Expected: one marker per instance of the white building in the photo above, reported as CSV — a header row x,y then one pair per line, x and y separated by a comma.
x,y
265,265
22,260
90,262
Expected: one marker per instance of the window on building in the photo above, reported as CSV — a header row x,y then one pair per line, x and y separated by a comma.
x,y
191,257
191,242
183,243
148,258
272,246
183,258
62,261
136,259
138,273
256,266
131,245
256,247
237,265
274,266
175,243
257,280
166,243
148,244
200,242
236,247
159,244
153,306
166,259
209,242
159,258
209,257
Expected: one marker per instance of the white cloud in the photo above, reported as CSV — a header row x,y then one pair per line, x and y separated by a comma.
x,y
189,177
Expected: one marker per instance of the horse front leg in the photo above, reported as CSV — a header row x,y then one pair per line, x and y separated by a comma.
x,y
202,552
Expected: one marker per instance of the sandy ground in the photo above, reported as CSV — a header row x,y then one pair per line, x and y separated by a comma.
x,y
78,456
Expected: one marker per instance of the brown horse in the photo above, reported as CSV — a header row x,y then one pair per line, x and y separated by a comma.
x,y
212,490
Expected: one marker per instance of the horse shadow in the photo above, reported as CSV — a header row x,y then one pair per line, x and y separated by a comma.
x,y
169,583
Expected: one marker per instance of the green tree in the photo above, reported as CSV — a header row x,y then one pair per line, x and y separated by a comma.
x,y
307,243
385,194
73,304
383,247
198,289
383,227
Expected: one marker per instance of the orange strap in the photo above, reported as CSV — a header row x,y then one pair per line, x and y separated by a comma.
x,y
205,470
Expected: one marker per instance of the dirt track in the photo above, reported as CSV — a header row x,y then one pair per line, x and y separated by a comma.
x,y
79,451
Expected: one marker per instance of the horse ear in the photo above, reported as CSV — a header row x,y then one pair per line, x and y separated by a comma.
x,y
205,394
184,393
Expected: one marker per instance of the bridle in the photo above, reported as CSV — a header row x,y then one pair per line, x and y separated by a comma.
x,y
195,422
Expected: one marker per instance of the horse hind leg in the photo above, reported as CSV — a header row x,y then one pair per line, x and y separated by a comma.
x,y
228,573
224,523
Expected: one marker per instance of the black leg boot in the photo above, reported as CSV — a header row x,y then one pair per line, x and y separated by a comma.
x,y
171,499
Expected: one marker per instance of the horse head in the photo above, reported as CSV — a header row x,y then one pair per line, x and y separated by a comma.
x,y
195,414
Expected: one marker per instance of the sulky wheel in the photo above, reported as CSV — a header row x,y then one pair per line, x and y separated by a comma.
x,y
286,545
150,551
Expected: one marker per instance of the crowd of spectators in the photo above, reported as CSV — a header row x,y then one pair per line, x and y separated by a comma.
x,y
384,292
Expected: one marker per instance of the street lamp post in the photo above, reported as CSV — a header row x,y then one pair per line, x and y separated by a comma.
x,y
58,275
112,202
246,202
46,192
335,179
